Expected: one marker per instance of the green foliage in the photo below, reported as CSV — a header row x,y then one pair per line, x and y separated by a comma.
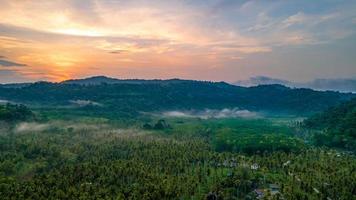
x,y
337,125
248,136
96,160
159,125
173,158
14,112
127,99
256,143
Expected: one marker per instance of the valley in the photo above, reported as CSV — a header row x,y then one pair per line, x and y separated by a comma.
x,y
96,151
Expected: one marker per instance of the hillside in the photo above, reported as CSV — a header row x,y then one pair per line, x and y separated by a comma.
x,y
13,113
159,95
97,80
338,124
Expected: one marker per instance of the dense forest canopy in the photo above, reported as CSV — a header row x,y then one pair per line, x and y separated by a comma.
x,y
96,159
337,125
140,95
13,112
115,140
138,129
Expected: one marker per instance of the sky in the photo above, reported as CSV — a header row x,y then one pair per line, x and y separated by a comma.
x,y
217,40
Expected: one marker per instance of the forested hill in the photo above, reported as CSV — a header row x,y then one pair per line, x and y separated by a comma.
x,y
338,117
338,124
97,80
156,95
13,113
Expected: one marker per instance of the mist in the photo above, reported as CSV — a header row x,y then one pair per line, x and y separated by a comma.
x,y
31,127
82,103
2,102
213,113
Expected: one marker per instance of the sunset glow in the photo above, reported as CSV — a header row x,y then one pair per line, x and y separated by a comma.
x,y
209,40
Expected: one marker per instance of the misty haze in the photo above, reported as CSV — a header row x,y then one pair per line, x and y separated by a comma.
x,y
186,100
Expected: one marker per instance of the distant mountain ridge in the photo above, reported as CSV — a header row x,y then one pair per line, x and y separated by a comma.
x,y
91,80
123,96
342,85
15,85
95,80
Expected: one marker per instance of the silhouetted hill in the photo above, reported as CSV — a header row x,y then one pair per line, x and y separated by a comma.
x,y
95,80
15,85
261,80
156,95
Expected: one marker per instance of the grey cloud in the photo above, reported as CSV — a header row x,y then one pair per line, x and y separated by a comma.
x,y
32,35
11,76
6,72
118,51
226,4
85,11
141,42
6,63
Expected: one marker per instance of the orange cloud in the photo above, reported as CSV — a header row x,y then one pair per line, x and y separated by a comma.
x,y
63,39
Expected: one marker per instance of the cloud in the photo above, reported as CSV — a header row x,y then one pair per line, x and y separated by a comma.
x,y
309,20
246,49
4,72
141,25
11,76
161,37
6,63
118,51
298,18
301,27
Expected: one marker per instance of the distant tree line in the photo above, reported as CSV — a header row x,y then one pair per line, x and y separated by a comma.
x,y
337,126
15,112
165,95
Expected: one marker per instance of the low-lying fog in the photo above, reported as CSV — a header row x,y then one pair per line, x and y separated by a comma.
x,y
31,126
101,131
82,103
3,101
24,127
213,113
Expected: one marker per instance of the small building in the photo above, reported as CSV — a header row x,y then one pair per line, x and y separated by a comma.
x,y
255,166
212,196
286,163
260,193
316,190
274,189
